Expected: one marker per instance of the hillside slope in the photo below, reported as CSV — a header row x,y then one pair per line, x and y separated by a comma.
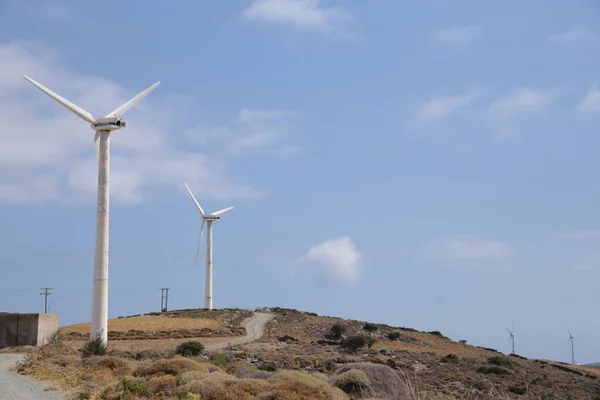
x,y
306,356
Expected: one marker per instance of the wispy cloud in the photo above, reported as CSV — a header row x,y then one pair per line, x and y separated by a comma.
x,y
253,130
336,259
47,154
458,36
301,14
469,248
437,106
591,101
577,34
523,100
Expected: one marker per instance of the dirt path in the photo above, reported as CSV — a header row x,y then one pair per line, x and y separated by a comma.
x,y
255,328
18,387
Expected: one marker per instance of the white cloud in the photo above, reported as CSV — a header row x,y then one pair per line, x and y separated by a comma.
x,y
253,129
591,101
458,35
469,248
300,14
47,153
577,34
524,100
438,107
337,259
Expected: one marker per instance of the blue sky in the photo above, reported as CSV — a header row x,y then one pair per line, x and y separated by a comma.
x,y
430,165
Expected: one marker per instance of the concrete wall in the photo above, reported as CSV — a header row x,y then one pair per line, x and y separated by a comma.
x,y
27,329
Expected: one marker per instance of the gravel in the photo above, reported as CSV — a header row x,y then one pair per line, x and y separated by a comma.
x,y
19,387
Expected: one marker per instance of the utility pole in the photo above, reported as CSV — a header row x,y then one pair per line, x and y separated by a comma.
x,y
164,299
45,293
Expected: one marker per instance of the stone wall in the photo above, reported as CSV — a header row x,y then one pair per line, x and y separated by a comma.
x,y
27,329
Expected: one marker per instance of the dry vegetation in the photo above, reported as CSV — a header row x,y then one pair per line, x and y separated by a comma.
x,y
146,323
299,359
180,324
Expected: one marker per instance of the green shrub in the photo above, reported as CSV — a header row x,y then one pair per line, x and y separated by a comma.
x,y
220,360
437,333
136,388
353,343
393,335
95,347
493,370
337,331
518,389
267,367
187,349
369,327
84,396
501,362
450,358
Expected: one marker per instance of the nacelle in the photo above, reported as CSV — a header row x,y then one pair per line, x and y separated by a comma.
x,y
211,217
108,124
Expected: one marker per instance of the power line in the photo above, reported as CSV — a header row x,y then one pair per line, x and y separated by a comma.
x,y
164,295
45,293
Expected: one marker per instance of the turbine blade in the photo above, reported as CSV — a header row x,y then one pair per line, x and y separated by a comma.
x,y
195,201
223,211
75,109
125,107
199,241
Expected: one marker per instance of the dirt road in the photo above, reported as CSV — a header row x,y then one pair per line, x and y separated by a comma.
x,y
255,327
18,387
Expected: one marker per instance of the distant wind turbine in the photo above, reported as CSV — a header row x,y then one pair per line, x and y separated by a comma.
x,y
103,127
209,219
572,340
512,338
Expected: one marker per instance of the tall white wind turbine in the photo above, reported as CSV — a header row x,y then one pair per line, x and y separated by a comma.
x,y
209,219
103,128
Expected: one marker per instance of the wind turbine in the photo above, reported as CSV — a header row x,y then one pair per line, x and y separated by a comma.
x,y
512,338
209,219
103,127
572,340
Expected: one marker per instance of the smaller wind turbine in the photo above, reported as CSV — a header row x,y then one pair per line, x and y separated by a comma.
x,y
512,338
209,219
572,340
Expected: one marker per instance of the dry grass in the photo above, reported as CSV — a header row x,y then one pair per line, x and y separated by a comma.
x,y
146,324
306,368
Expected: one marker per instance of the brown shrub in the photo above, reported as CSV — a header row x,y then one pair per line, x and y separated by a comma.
x,y
383,381
294,385
169,366
355,382
65,360
162,383
190,376
216,386
118,366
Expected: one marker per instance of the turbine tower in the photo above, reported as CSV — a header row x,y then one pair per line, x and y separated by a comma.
x,y
572,340
209,219
103,127
512,338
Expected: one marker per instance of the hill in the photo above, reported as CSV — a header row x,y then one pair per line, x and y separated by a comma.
x,y
593,365
301,356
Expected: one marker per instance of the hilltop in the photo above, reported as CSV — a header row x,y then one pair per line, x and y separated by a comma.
x,y
301,356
